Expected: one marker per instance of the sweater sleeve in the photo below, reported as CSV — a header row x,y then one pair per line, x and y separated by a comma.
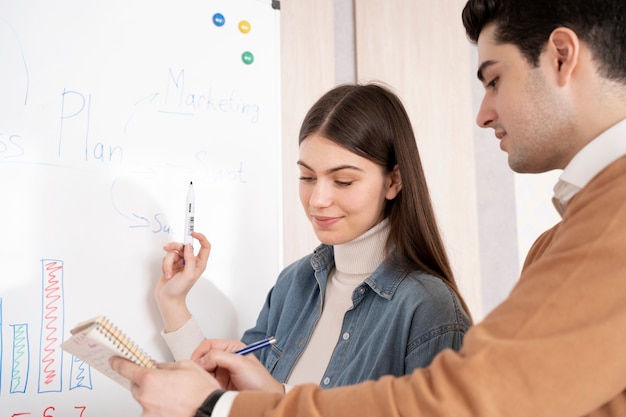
x,y
185,340
555,347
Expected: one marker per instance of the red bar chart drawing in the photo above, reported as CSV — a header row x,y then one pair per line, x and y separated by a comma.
x,y
50,354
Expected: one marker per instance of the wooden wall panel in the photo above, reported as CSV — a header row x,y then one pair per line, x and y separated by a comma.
x,y
308,70
419,48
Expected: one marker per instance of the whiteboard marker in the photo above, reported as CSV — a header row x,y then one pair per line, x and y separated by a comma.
x,y
189,214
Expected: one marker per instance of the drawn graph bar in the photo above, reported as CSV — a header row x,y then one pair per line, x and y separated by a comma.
x,y
52,319
21,359
1,344
80,375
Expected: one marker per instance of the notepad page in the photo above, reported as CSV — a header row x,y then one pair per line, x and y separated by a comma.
x,y
96,341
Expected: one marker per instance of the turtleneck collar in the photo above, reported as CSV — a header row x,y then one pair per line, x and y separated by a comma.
x,y
364,254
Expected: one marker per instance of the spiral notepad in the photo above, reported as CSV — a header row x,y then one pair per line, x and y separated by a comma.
x,y
95,341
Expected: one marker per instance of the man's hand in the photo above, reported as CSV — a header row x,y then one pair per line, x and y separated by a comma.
x,y
171,390
234,371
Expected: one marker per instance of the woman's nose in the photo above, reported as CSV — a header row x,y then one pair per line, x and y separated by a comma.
x,y
321,195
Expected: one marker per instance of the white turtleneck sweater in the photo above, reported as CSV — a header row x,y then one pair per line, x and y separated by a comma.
x,y
354,262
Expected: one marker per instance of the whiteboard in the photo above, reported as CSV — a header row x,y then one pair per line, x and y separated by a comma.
x,y
107,111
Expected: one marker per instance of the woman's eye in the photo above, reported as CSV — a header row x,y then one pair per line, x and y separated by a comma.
x,y
306,179
493,83
344,183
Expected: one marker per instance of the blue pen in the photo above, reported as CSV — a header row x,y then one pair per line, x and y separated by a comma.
x,y
256,346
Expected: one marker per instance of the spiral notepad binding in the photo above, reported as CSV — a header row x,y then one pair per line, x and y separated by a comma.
x,y
127,347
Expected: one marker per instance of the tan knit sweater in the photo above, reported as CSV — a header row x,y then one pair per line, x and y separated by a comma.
x,y
555,348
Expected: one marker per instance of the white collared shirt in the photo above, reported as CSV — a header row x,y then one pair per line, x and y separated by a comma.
x,y
588,162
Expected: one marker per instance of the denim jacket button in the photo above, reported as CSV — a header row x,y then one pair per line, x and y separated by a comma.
x,y
346,336
326,381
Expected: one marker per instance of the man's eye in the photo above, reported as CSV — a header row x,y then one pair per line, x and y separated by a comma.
x,y
493,83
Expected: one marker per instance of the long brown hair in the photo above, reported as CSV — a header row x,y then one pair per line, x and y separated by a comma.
x,y
371,121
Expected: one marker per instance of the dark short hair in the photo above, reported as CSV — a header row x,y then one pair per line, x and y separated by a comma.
x,y
527,24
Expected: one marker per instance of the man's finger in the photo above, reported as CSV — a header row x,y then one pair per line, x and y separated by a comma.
x,y
126,368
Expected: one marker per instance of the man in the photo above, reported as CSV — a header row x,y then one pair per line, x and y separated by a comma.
x,y
555,94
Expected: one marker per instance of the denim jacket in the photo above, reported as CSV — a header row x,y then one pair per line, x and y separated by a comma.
x,y
397,323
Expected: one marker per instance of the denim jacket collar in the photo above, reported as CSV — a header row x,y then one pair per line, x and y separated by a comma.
x,y
382,282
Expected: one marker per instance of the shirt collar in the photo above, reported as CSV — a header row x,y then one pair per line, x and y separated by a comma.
x,y
588,162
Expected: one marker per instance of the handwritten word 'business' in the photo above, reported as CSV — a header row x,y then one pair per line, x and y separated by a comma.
x,y
11,146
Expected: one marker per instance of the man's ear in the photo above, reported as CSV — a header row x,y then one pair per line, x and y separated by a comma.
x,y
564,49
395,185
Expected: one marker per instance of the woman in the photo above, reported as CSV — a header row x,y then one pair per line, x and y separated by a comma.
x,y
378,296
